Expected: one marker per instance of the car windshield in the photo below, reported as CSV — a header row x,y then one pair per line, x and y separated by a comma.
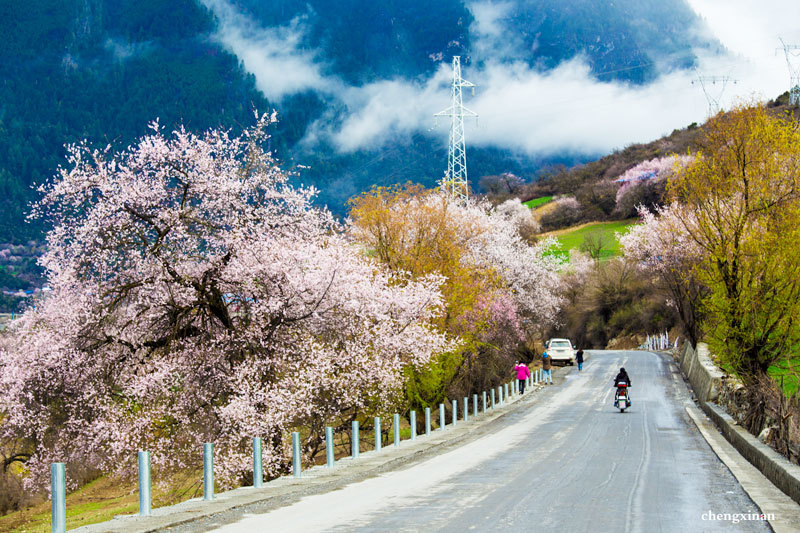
x,y
560,344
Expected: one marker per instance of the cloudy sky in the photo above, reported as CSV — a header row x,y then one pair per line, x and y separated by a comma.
x,y
533,112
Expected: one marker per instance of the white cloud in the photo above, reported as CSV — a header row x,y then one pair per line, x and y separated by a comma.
x,y
750,29
274,55
751,32
565,109
381,110
123,50
520,108
489,36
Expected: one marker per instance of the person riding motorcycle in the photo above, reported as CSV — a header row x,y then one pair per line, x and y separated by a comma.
x,y
622,377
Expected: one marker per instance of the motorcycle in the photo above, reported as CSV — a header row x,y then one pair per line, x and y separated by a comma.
x,y
621,399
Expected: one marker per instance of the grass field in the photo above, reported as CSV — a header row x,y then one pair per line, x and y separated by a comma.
x,y
101,500
572,238
786,373
536,202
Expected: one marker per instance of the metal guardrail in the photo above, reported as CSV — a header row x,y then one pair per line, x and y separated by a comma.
x,y
58,477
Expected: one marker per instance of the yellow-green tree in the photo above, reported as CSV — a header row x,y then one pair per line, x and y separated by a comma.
x,y
743,194
410,229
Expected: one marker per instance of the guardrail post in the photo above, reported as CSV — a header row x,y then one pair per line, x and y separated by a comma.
x,y
500,395
455,412
427,420
413,422
493,398
355,447
466,408
145,506
396,429
441,416
483,397
58,498
329,458
208,471
296,461
475,405
258,470
505,390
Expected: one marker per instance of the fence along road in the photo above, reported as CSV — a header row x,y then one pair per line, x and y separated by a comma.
x,y
567,462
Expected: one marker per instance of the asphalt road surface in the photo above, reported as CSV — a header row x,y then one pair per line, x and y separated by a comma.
x,y
568,461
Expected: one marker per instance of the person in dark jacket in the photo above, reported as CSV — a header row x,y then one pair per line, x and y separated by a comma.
x,y
547,373
579,358
622,377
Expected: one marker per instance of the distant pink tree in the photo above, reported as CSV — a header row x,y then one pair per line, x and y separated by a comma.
x,y
661,245
520,215
531,274
198,297
659,168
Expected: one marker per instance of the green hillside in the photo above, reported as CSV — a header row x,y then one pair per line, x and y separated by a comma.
x,y
537,202
600,235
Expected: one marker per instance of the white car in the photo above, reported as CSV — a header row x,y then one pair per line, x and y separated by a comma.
x,y
561,350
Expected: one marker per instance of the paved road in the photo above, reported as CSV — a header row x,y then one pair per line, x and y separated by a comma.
x,y
567,462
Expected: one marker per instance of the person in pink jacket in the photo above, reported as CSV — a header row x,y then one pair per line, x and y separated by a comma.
x,y
523,373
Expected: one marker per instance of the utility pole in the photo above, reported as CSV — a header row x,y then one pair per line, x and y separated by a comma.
x,y
455,180
713,87
792,53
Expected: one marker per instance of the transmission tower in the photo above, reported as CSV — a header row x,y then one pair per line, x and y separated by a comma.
x,y
792,52
455,180
713,87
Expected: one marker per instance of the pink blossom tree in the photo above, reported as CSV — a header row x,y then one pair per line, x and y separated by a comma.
x,y
500,289
662,246
645,182
198,297
520,215
530,274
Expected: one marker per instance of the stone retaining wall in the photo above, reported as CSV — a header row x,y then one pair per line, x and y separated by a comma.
x,y
703,374
706,381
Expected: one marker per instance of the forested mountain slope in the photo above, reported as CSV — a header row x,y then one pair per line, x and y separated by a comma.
x,y
101,70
